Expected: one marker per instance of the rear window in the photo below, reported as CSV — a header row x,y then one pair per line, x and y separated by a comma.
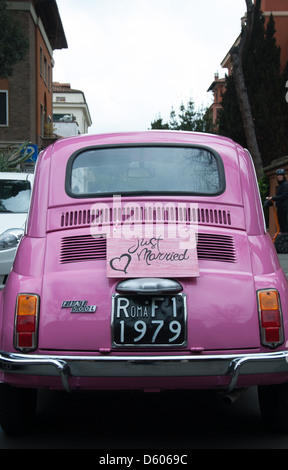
x,y
145,170
14,196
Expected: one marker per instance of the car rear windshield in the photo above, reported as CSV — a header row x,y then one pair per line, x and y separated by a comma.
x,y
145,170
14,196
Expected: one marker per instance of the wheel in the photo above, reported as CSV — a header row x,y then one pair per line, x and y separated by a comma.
x,y
281,243
273,402
17,409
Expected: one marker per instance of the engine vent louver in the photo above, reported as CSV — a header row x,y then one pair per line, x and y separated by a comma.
x,y
87,248
146,214
216,248
82,248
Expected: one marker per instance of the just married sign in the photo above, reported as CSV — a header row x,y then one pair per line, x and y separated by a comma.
x,y
151,257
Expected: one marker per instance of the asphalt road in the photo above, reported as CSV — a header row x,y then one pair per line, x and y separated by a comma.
x,y
284,263
105,421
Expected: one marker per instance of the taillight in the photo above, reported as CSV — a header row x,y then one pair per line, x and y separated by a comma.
x,y
270,317
26,322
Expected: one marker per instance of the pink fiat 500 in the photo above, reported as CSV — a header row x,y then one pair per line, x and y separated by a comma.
x,y
145,266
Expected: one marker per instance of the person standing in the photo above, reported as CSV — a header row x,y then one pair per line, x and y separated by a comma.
x,y
281,199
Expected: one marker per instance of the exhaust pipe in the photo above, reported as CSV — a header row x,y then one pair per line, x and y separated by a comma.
x,y
230,398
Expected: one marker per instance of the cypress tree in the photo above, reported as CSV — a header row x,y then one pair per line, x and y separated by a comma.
x,y
230,122
264,82
14,43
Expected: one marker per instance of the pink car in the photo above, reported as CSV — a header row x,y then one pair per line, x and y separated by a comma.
x,y
145,266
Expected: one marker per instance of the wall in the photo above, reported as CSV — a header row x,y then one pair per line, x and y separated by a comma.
x,y
66,129
279,8
44,83
22,99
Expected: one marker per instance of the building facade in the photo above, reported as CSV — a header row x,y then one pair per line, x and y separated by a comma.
x,y
71,114
217,87
279,9
26,104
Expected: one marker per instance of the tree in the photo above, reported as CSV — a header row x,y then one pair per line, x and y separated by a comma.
x,y
188,119
14,43
241,90
173,123
264,85
229,123
158,124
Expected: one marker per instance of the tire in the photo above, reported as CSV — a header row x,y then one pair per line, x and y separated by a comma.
x,y
281,243
17,409
273,402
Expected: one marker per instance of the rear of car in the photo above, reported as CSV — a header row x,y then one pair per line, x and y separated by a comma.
x,y
15,194
146,266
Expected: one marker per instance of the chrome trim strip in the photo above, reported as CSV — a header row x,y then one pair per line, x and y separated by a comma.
x,y
149,286
145,366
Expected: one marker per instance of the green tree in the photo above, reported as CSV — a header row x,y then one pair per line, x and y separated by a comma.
x,y
188,119
14,43
230,122
173,123
158,124
266,91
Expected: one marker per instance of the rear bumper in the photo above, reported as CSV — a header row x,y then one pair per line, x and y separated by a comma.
x,y
231,366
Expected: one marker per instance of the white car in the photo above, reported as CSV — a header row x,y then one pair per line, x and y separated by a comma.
x,y
15,194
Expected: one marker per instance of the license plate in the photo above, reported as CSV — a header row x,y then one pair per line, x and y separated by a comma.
x,y
140,320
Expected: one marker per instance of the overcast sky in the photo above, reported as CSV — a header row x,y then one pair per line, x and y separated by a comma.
x,y
136,59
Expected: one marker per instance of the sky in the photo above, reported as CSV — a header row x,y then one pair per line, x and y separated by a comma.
x,y
135,60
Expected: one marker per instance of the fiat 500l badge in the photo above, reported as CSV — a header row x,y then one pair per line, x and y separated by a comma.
x,y
79,306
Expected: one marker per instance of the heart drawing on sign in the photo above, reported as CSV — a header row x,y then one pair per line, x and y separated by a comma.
x,y
121,263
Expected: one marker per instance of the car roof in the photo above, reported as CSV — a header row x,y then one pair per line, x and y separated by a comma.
x,y
148,137
16,176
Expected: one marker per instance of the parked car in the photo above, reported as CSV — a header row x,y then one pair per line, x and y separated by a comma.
x,y
15,193
146,265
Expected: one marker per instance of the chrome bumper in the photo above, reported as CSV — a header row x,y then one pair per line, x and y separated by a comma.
x,y
145,366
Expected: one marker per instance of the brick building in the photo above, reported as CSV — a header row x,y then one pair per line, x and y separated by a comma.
x,y
279,9
26,97
217,87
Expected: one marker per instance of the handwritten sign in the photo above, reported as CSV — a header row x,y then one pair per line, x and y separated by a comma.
x,y
151,257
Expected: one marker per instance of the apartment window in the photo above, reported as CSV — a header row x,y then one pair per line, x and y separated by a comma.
x,y
42,119
41,61
49,77
3,108
45,69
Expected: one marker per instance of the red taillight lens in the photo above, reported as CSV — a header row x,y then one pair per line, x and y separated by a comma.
x,y
26,322
270,318
271,325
